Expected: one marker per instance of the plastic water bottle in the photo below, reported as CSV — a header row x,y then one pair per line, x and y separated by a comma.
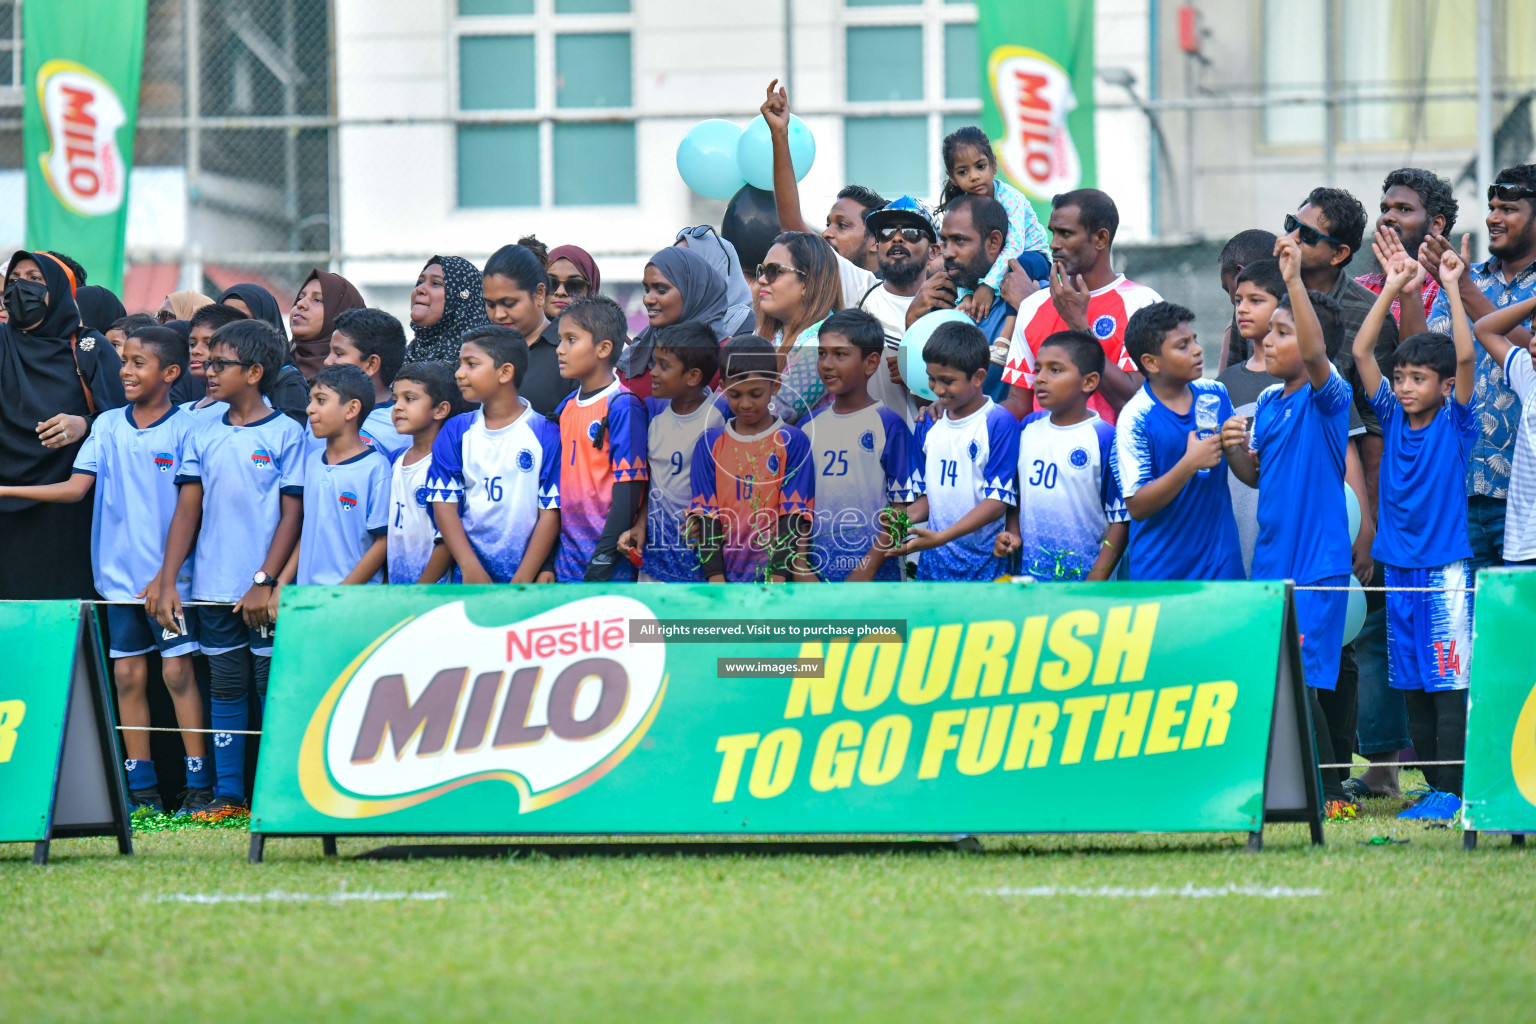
x,y
1207,412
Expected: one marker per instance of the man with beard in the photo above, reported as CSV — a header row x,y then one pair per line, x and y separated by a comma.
x,y
1415,205
1509,276
1085,295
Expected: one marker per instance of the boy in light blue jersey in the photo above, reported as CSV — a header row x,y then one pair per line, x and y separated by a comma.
x,y
373,341
131,456
426,398
862,453
1297,458
1429,426
1069,522
201,330
681,409
494,484
346,490
241,502
1168,463
964,463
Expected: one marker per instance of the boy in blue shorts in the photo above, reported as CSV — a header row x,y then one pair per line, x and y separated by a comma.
x,y
1297,458
346,490
494,485
681,409
603,470
964,463
1429,426
373,341
861,451
1168,455
1069,522
131,456
426,398
242,482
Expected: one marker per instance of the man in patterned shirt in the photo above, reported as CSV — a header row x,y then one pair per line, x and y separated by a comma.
x,y
1507,277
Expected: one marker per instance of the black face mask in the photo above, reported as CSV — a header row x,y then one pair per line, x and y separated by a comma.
x,y
26,303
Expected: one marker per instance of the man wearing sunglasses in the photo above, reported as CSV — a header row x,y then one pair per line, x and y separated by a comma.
x,y
1508,276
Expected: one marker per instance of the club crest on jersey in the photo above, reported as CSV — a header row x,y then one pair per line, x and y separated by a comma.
x,y
348,500
525,458
1104,327
1078,458
262,458
367,439
164,461
773,462
592,429
421,497
867,440
972,450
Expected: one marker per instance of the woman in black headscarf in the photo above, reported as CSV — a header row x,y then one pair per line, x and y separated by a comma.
x,y
55,378
257,303
290,392
98,307
446,302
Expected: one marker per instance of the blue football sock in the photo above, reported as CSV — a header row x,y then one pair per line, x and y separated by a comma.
x,y
141,774
199,773
229,748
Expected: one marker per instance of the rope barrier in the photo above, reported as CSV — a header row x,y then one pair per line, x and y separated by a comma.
x,y
208,732
1393,764
1399,590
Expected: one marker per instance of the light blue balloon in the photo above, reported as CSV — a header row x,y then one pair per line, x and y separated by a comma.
x,y
909,356
1354,610
754,153
1352,505
706,158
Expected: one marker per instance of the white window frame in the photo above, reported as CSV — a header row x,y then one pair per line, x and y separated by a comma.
x,y
13,90
932,16
543,25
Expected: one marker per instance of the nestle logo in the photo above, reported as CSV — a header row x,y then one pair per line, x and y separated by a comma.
x,y
565,638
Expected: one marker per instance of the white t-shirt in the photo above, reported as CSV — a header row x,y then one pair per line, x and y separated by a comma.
x,y
1520,514
891,310
412,533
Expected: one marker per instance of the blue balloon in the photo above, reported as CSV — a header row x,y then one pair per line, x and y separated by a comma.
x,y
754,153
706,158
909,356
1352,505
1354,610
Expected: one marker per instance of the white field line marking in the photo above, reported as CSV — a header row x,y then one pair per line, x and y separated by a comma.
x,y
1189,891
278,896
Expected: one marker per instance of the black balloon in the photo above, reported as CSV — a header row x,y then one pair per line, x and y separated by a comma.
x,y
750,224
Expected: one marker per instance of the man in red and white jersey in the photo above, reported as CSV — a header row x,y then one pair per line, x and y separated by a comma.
x,y
1085,295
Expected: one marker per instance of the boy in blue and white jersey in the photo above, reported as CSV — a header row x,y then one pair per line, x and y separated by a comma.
x,y
1069,522
1428,426
242,483
131,456
682,409
426,398
964,462
494,484
1297,458
1169,466
373,341
862,455
346,489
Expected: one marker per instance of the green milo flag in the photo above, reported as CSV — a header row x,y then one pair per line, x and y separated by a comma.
x,y
1037,93
81,82
989,708
1500,786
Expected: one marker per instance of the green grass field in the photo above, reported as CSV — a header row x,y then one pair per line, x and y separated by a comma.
x,y
1046,928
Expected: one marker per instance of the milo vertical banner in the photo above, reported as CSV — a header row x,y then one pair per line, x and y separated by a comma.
x,y
698,709
1500,787
81,66
1037,93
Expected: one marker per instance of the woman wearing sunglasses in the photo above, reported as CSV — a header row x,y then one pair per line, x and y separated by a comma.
x,y
680,285
573,276
798,287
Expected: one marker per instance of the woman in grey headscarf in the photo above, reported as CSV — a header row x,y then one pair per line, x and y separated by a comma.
x,y
680,285
721,255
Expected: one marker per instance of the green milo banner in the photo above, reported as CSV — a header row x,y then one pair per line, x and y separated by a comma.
x,y
81,69
1500,782
654,709
1037,93
59,756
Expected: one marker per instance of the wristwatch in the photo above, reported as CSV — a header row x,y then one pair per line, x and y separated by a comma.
x,y
263,580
